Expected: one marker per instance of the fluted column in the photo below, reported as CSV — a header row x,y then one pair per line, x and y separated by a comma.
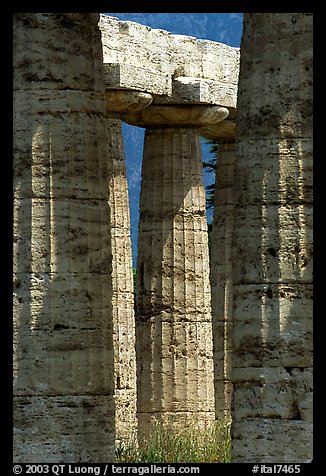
x,y
221,278
63,355
173,319
123,316
221,261
272,248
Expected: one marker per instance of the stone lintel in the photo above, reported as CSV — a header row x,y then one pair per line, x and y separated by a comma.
x,y
168,90
127,76
201,91
160,50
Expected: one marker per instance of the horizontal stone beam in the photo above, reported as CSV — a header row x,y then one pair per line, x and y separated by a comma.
x,y
176,69
128,76
202,91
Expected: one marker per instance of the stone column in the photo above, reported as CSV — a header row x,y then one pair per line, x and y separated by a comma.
x,y
63,355
221,279
123,316
221,262
272,250
173,319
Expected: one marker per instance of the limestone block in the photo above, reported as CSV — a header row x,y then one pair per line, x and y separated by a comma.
x,y
202,91
191,340
165,395
125,415
280,173
272,247
128,76
124,340
257,440
51,160
48,70
178,55
283,103
109,29
73,299
219,62
131,43
273,244
63,101
284,393
186,56
155,61
55,231
58,429
65,347
274,325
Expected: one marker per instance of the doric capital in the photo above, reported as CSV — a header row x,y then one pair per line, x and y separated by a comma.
x,y
172,115
123,101
223,131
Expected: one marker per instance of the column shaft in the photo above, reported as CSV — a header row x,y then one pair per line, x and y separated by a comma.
x,y
272,249
221,278
63,356
123,316
173,320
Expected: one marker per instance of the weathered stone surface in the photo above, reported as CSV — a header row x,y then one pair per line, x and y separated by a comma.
x,y
122,297
268,440
63,428
284,393
123,101
57,63
170,115
35,154
272,325
272,242
130,77
223,131
74,332
281,174
173,320
178,68
284,110
72,229
221,277
199,91
63,351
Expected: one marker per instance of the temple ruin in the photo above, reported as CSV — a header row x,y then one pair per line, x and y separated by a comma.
x,y
91,370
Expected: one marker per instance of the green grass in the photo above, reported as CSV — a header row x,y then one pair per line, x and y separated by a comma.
x,y
167,445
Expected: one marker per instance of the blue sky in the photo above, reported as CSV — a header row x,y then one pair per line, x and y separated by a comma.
x,y
221,27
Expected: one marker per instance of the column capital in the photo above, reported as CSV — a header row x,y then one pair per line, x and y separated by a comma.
x,y
176,115
223,131
119,102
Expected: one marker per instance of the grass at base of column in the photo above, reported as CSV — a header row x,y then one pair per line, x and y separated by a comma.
x,y
168,445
